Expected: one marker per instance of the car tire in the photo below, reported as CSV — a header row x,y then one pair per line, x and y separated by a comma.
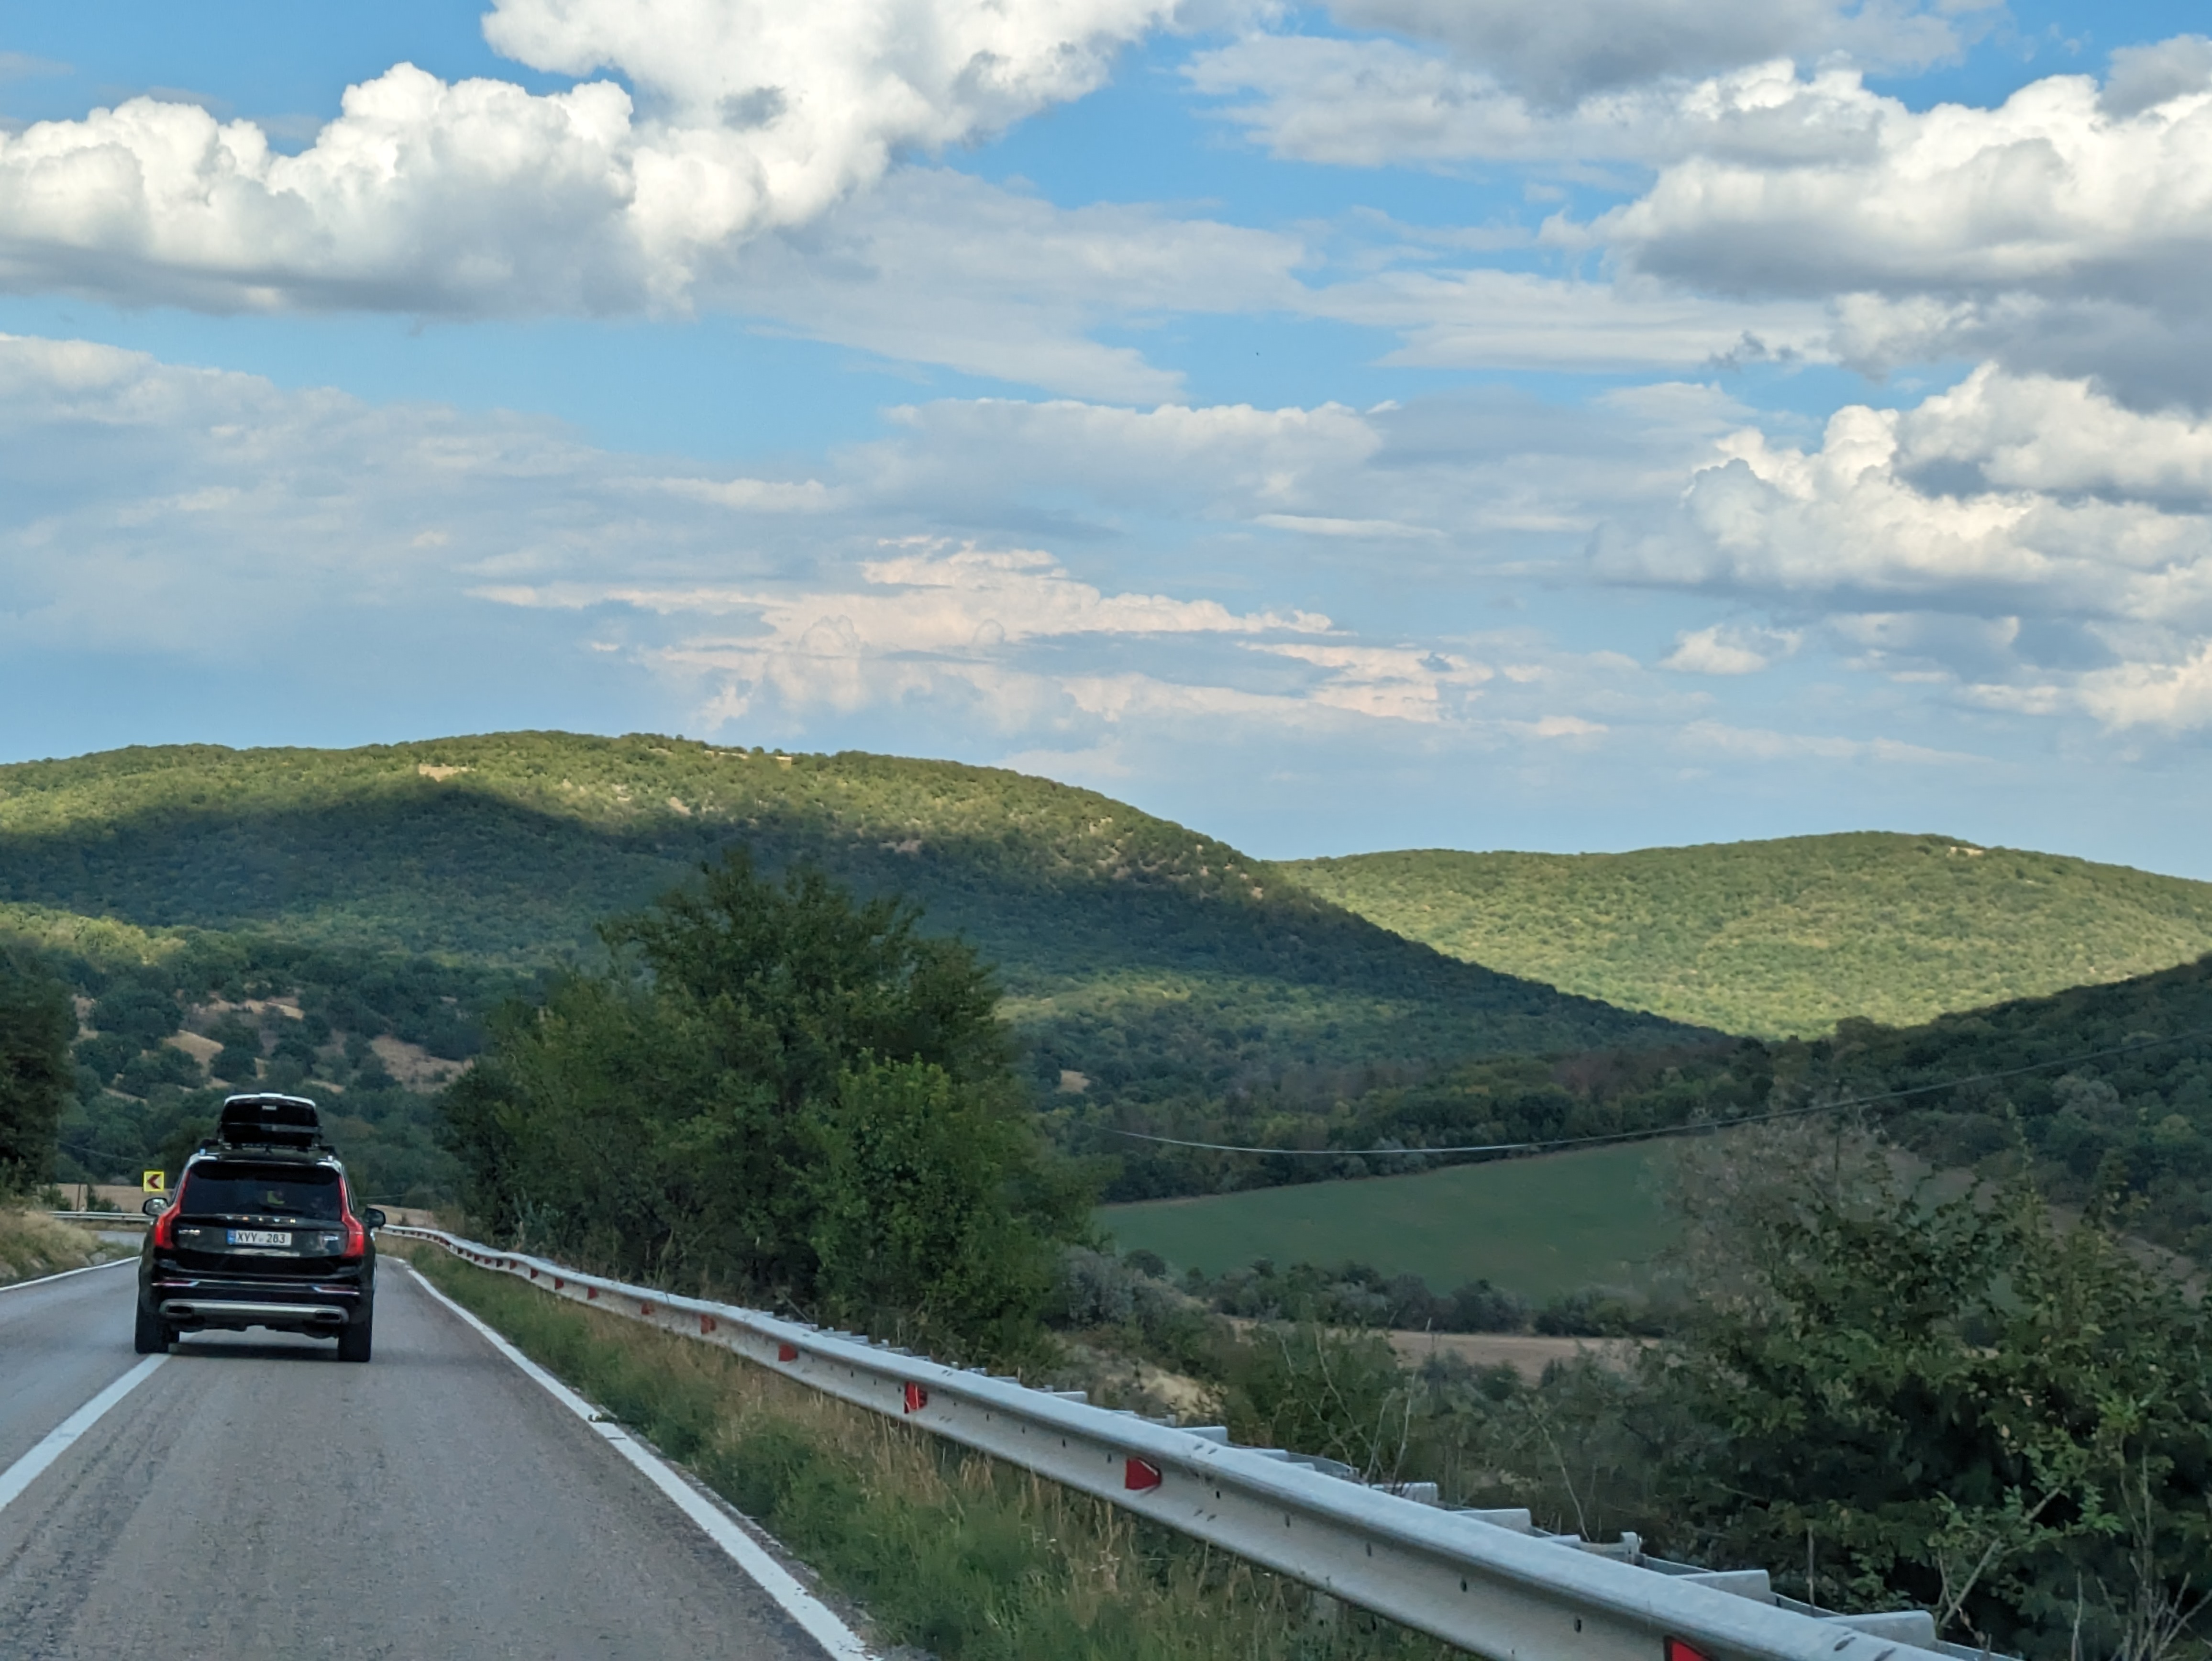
x,y
153,1336
356,1342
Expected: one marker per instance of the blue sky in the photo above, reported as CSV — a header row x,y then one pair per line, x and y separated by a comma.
x,y
1392,422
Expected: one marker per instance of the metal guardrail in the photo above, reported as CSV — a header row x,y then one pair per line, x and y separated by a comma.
x,y
123,1219
1487,1581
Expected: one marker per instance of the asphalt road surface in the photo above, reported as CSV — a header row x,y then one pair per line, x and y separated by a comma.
x,y
254,1496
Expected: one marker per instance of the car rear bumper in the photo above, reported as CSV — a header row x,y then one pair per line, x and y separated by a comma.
x,y
241,1313
192,1302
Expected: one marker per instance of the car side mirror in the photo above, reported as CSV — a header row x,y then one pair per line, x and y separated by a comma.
x,y
155,1206
374,1218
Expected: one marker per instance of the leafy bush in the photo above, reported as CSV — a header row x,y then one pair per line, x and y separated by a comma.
x,y
237,1064
104,1055
1962,1404
146,1072
1357,1295
1318,1391
137,1009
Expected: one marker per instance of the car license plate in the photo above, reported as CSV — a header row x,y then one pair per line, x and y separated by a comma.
x,y
259,1237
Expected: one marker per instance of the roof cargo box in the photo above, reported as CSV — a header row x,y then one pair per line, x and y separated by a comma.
x,y
269,1121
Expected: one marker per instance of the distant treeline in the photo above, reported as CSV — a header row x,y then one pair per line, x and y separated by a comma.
x,y
1378,1120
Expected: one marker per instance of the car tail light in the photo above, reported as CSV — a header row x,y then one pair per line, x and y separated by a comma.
x,y
356,1241
165,1226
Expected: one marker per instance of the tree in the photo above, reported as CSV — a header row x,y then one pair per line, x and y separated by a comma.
x,y
796,980
780,1090
37,1081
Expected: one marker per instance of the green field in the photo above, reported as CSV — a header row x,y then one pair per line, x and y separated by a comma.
x,y
1534,1226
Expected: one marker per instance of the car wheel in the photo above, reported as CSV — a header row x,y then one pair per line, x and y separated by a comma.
x,y
153,1335
354,1343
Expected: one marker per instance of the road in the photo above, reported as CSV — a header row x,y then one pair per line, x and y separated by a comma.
x,y
255,1497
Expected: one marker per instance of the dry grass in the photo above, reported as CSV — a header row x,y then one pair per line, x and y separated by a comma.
x,y
947,1551
32,1244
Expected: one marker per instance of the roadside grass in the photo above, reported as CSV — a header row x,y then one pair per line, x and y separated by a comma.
x,y
32,1244
1537,1226
949,1552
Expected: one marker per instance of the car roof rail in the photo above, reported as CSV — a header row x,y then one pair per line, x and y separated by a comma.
x,y
268,1119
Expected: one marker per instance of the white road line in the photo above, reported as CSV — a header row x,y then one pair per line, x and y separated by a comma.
x,y
820,1623
48,1279
27,1469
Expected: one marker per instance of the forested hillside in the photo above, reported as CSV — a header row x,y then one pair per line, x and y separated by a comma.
x,y
2111,1083
1784,938
396,890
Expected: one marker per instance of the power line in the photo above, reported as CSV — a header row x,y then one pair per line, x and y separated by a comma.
x,y
1699,1127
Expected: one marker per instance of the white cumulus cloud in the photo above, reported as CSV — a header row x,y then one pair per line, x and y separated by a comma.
x,y
1377,102
928,598
2018,490
2176,696
1584,80
1721,649
2028,541
2063,230
1488,318
1562,51
1789,210
1390,683
480,196
2039,191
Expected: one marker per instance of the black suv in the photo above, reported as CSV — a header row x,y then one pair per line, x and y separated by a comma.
x,y
261,1231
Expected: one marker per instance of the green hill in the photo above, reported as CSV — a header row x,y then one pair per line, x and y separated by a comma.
x,y
1785,937
1147,958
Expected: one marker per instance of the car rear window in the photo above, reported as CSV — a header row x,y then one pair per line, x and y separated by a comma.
x,y
244,1191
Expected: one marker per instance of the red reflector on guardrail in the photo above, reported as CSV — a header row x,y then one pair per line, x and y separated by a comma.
x,y
1138,1475
645,1309
787,1351
916,1398
591,1293
559,1284
1678,1650
706,1323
